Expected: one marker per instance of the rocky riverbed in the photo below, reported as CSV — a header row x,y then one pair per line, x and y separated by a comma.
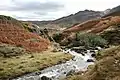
x,y
80,62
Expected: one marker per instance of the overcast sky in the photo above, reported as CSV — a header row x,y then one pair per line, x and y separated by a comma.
x,y
51,9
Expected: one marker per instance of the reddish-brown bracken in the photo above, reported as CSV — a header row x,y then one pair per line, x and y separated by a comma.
x,y
95,26
16,35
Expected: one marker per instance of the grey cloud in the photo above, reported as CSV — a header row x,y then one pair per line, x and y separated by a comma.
x,y
42,13
32,10
18,17
33,18
34,6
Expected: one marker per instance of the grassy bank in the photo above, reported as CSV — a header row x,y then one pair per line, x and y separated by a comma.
x,y
107,67
19,65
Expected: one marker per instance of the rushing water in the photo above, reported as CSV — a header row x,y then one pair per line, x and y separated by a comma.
x,y
78,63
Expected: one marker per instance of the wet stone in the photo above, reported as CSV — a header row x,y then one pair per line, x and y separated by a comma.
x,y
90,60
37,73
83,54
64,72
70,72
73,59
92,51
45,78
93,55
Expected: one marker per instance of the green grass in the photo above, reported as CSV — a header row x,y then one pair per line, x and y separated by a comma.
x,y
19,65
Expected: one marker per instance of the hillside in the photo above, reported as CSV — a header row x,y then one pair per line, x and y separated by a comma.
x,y
113,12
106,27
23,52
68,21
15,34
79,17
95,26
106,67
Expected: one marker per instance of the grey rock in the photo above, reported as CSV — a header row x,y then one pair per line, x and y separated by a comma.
x,y
90,60
45,78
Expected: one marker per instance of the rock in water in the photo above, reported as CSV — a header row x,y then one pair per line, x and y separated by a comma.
x,y
70,72
45,78
93,55
98,48
90,60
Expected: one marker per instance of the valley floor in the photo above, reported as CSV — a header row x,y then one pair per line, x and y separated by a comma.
x,y
27,63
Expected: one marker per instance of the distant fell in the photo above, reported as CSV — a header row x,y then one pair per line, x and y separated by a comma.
x,y
68,21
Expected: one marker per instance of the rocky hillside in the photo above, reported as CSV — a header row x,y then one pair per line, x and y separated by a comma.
x,y
79,17
113,12
67,21
95,26
105,27
12,32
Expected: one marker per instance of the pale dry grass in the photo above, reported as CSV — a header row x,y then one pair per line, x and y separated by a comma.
x,y
19,65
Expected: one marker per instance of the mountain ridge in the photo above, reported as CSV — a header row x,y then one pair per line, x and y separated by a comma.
x,y
69,20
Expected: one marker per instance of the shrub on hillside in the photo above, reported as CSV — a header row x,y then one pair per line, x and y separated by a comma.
x,y
57,37
25,25
113,37
10,50
90,40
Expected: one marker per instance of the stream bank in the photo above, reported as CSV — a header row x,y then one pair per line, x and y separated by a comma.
x,y
107,66
80,62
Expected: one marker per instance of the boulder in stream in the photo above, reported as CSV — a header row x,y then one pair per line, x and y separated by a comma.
x,y
90,60
45,78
